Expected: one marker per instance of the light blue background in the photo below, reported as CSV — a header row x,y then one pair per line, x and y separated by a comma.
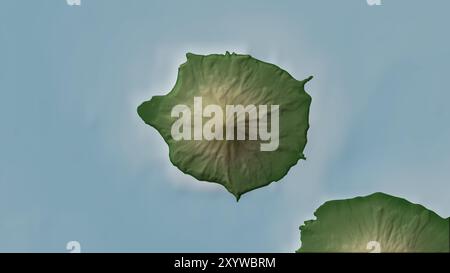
x,y
77,163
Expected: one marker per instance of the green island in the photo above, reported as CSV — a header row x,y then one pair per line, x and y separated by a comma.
x,y
375,223
232,119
